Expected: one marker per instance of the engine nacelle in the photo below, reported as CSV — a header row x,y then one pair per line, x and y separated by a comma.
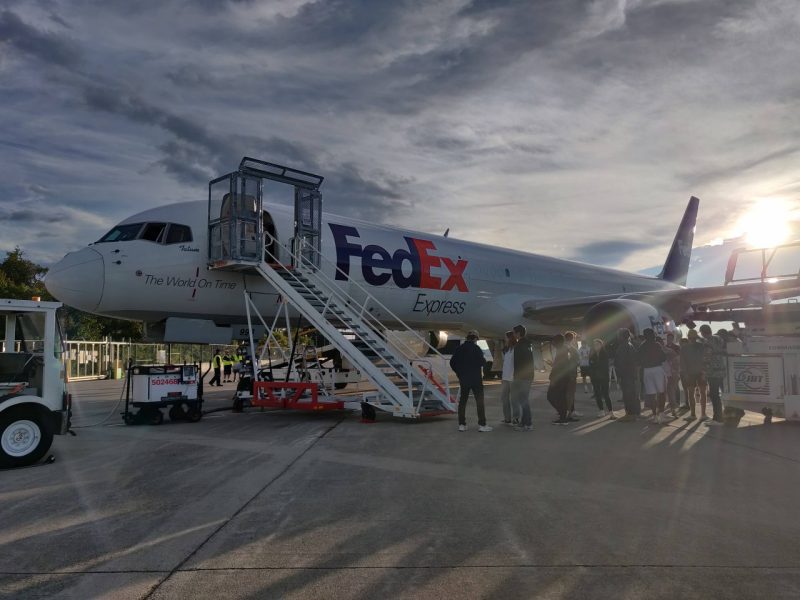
x,y
606,318
437,339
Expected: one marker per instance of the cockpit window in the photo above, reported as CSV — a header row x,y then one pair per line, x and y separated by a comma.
x,y
160,233
178,234
122,233
153,232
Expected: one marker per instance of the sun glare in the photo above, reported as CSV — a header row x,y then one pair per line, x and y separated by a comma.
x,y
766,224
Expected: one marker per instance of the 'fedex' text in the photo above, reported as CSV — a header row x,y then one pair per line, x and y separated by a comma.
x,y
378,266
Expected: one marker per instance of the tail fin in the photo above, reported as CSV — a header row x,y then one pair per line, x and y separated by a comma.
x,y
677,264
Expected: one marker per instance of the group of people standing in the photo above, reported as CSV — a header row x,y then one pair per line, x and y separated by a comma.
x,y
228,366
593,362
653,367
647,367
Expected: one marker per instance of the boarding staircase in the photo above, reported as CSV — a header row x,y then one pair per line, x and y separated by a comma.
x,y
405,386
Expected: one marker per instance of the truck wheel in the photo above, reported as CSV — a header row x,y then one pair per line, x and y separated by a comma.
x,y
24,439
193,415
340,385
155,417
177,413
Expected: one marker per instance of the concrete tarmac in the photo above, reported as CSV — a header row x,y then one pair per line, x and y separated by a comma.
x,y
282,505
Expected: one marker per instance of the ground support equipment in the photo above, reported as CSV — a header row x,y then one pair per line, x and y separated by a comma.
x,y
153,387
240,241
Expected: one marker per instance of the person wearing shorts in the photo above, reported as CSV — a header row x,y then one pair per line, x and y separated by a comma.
x,y
651,359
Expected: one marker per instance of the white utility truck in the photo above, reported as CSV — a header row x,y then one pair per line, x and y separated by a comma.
x,y
764,376
34,403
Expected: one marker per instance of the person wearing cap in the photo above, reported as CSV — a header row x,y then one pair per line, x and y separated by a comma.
x,y
467,362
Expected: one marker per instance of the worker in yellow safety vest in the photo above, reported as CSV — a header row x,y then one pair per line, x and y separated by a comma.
x,y
227,366
216,363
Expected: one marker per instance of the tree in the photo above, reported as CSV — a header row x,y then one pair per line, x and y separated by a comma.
x,y
21,278
79,325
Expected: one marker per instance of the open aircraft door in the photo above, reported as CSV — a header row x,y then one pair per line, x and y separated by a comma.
x,y
308,225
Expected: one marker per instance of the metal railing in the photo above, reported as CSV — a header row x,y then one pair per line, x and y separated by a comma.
x,y
362,308
106,359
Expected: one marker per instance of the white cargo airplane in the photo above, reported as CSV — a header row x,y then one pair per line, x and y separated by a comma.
x,y
154,266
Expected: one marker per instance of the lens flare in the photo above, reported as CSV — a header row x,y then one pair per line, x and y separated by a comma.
x,y
766,223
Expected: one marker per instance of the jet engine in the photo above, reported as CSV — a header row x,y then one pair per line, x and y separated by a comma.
x,y
437,339
604,319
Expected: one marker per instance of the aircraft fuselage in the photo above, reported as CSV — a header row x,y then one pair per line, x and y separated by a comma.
x,y
429,281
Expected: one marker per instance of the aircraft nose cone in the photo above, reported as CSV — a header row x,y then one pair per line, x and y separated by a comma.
x,y
78,279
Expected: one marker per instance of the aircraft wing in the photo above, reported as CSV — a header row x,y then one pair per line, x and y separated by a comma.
x,y
679,303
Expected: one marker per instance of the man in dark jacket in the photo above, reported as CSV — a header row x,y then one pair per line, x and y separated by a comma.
x,y
626,366
524,370
467,362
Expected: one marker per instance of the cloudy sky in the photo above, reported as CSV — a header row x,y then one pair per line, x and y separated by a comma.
x,y
572,128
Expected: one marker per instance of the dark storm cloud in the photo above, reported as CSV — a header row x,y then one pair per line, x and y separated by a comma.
x,y
347,191
43,45
698,176
20,216
195,153
57,19
512,31
503,34
590,113
679,21
608,252
324,25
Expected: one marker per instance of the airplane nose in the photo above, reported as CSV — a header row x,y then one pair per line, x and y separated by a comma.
x,y
78,279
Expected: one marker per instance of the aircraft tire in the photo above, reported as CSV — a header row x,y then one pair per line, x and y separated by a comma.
x,y
24,438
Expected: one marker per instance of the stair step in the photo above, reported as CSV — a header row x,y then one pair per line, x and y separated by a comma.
x,y
404,380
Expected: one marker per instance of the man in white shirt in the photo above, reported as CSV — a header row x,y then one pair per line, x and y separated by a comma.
x,y
510,409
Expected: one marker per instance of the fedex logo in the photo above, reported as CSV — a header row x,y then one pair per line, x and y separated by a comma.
x,y
378,266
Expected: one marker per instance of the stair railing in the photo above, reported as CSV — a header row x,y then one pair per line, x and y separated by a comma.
x,y
332,289
326,300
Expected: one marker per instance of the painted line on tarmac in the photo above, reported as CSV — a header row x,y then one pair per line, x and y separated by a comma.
x,y
408,567
177,568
